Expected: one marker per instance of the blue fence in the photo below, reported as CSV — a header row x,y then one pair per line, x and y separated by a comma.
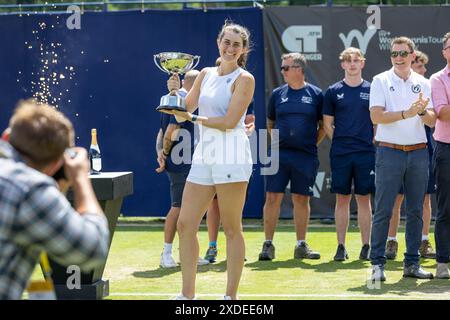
x,y
103,76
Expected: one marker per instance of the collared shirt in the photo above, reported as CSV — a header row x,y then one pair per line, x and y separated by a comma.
x,y
35,216
296,114
440,86
353,129
394,94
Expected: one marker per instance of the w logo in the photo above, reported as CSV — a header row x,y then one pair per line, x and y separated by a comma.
x,y
363,40
373,24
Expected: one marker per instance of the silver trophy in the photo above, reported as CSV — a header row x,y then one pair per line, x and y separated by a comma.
x,y
171,63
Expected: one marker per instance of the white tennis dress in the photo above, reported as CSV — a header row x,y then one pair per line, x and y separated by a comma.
x,y
220,156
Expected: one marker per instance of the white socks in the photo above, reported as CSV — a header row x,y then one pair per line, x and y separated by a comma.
x,y
299,242
424,237
167,249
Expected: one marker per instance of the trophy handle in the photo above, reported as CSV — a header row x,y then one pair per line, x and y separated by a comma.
x,y
157,64
198,60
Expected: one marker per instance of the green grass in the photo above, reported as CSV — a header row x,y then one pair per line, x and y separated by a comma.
x,y
134,273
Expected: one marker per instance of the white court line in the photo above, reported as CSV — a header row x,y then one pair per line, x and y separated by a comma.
x,y
445,296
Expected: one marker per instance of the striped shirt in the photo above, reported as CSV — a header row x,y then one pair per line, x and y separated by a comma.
x,y
35,216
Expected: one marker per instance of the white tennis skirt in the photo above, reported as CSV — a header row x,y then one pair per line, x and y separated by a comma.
x,y
221,157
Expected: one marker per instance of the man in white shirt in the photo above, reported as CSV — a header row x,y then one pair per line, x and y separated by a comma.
x,y
400,106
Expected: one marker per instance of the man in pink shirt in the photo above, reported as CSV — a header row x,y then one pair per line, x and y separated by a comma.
x,y
440,86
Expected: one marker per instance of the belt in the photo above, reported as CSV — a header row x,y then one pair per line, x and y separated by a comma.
x,y
406,148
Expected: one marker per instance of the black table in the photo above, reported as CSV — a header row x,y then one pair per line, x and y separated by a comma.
x,y
110,189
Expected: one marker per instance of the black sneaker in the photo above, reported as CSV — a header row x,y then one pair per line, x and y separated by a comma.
x,y
341,253
304,252
365,251
268,251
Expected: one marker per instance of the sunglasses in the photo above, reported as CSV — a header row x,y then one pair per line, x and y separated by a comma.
x,y
286,68
401,53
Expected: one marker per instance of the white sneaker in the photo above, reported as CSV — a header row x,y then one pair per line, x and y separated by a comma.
x,y
202,262
167,261
182,297
227,298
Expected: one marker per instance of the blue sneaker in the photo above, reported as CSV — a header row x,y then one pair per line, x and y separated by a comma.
x,y
211,254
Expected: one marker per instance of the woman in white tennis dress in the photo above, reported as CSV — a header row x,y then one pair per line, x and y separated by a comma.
x,y
222,161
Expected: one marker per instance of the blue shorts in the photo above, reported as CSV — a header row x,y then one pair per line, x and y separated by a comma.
x,y
177,182
357,168
431,188
299,168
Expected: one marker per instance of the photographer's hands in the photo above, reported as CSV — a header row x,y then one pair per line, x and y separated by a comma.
x,y
76,163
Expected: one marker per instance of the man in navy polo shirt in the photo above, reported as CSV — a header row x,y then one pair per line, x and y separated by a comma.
x,y
295,111
352,156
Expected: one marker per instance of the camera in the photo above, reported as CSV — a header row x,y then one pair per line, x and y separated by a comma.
x,y
60,174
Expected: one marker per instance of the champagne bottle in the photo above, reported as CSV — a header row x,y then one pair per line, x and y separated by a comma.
x,y
95,157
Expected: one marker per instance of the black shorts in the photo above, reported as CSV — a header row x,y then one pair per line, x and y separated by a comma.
x,y
177,182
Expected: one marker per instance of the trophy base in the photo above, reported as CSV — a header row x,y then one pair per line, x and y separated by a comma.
x,y
169,108
171,102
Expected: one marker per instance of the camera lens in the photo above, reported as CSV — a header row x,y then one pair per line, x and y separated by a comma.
x,y
60,174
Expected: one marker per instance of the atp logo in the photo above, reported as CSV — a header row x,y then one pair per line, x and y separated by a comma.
x,y
303,39
373,24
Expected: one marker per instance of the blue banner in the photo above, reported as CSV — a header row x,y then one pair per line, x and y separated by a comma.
x,y
102,76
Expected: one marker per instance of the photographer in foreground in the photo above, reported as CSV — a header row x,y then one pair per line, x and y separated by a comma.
x,y
34,214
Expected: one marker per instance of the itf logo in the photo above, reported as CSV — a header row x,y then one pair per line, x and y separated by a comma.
x,y
303,39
